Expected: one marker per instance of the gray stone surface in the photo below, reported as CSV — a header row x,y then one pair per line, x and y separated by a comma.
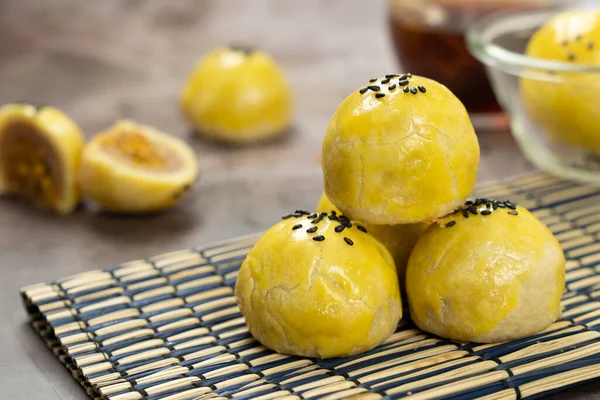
x,y
104,60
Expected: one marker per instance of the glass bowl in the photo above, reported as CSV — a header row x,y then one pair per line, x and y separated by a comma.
x,y
428,37
552,105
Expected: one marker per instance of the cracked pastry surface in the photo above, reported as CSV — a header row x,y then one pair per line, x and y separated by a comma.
x,y
312,289
398,239
489,272
237,95
400,150
40,152
565,103
133,168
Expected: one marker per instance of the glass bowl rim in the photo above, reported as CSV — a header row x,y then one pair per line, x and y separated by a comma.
x,y
479,37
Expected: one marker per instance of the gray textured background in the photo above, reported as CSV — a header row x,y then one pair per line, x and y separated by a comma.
x,y
104,60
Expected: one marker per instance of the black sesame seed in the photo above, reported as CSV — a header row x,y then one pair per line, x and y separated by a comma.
x,y
333,212
405,90
385,81
389,76
590,45
413,90
501,204
347,224
571,57
455,211
339,228
409,75
402,82
511,206
379,95
488,204
564,43
421,89
450,224
464,212
404,77
513,212
319,238
349,241
287,216
312,229
361,228
468,203
317,220
479,202
473,210
392,86
303,212
311,216
333,217
373,80
363,90
486,212
343,218
297,226
374,88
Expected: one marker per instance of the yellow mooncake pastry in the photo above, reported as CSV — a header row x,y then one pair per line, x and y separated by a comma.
x,y
398,239
238,95
40,152
317,287
490,272
565,104
400,150
132,168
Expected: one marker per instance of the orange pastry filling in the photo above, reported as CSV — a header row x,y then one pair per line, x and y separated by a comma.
x,y
138,150
31,167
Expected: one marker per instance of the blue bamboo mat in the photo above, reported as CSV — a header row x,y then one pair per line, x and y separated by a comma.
x,y
168,328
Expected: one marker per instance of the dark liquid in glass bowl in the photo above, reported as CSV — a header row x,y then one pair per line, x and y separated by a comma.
x,y
443,56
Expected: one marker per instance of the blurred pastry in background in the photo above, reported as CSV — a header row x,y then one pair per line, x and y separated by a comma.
x,y
489,272
237,95
132,168
566,103
398,239
316,286
400,150
40,152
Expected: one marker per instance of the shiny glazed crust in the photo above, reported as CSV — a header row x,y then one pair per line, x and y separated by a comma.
x,y
322,298
238,96
400,152
564,104
486,278
398,239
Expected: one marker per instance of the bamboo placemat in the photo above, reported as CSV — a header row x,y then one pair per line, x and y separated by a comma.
x,y
168,328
